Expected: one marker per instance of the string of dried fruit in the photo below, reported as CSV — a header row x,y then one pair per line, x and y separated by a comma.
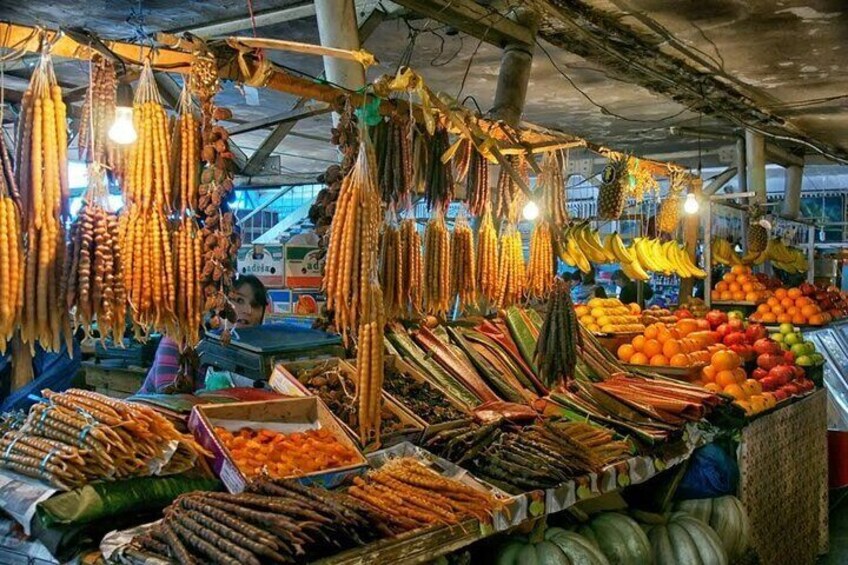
x,y
477,190
369,362
463,263
98,113
412,278
559,338
94,278
510,197
219,235
437,291
11,251
439,186
43,183
189,306
487,257
393,146
461,158
541,269
511,270
552,187
351,257
392,269
187,155
149,270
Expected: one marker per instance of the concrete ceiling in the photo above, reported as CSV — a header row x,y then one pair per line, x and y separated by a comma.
x,y
789,54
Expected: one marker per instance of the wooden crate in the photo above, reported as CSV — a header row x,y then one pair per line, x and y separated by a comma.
x,y
783,481
117,382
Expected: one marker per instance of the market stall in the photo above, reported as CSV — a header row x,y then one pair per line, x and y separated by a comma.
x,y
460,392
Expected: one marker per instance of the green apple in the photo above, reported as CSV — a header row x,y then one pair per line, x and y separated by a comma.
x,y
804,361
811,347
778,337
736,315
791,338
817,358
787,328
799,349
785,346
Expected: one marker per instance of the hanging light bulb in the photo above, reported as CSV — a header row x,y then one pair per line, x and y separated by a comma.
x,y
531,211
122,130
691,204
822,235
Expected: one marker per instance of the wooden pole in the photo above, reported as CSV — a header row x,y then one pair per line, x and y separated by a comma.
x,y
514,74
755,155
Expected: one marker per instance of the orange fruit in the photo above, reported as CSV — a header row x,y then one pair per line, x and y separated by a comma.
x,y
763,308
725,360
685,327
679,360
735,391
753,386
784,319
625,352
721,286
769,318
793,310
772,301
742,279
752,296
712,387
638,343
780,293
816,320
651,332
738,295
726,295
793,293
740,375
802,301
639,358
652,347
735,287
725,378
738,269
787,302
715,295
728,277
708,374
799,319
659,360
748,287
809,310
671,348
777,310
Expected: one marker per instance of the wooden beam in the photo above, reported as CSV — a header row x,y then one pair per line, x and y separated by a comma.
x,y
293,115
257,160
261,182
169,89
262,18
474,19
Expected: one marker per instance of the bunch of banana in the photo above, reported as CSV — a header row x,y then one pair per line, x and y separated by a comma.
x,y
625,257
667,258
723,252
782,256
580,245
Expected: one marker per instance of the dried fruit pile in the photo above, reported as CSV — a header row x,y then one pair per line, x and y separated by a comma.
x,y
78,437
280,455
424,400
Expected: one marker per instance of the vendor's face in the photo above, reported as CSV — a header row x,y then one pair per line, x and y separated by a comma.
x,y
243,300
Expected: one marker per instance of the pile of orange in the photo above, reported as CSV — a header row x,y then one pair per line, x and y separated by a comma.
x,y
661,345
739,285
725,374
790,306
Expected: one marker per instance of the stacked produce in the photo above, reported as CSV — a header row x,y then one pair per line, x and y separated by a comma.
x,y
148,253
412,280
541,269
42,178
437,267
692,308
274,521
278,455
682,344
828,297
393,146
804,352
351,257
94,277
463,264
552,188
559,338
419,396
790,305
657,315
612,193
11,251
739,285
414,496
609,315
98,113
487,258
77,437
512,274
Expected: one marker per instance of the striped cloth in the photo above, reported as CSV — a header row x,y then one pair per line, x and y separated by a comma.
x,y
165,366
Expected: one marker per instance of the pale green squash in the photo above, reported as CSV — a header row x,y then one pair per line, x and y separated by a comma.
x,y
727,516
550,546
682,539
619,538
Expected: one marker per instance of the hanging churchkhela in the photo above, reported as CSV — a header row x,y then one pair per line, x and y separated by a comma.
x,y
94,278
412,279
541,268
437,266
149,268
11,251
439,185
98,113
463,263
477,183
509,194
511,270
393,147
487,258
43,182
559,338
552,187
392,267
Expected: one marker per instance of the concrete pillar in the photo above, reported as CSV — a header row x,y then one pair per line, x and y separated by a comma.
x,y
514,74
755,155
792,195
337,27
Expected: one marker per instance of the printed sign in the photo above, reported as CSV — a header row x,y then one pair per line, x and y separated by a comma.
x,y
302,266
263,261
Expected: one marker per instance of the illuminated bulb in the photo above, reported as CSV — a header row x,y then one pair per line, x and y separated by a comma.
x,y
531,211
821,234
691,204
122,130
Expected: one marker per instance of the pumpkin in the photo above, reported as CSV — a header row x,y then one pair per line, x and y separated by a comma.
x,y
619,538
726,515
550,546
682,538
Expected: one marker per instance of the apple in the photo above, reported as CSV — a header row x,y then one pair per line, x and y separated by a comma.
x,y
683,313
722,330
768,361
765,345
791,389
780,395
783,373
791,338
734,338
804,361
736,324
818,358
770,383
806,288
787,328
778,337
754,332
702,324
715,318
799,371
811,347
736,315
759,373
743,350
799,349
789,357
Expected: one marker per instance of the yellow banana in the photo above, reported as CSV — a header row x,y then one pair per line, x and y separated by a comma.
x,y
643,254
608,250
580,260
593,238
660,252
689,263
592,253
620,250
634,271
675,256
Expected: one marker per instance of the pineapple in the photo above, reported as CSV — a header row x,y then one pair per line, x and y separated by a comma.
x,y
611,195
757,235
669,214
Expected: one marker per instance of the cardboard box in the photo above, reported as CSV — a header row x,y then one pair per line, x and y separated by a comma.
x,y
264,261
279,301
287,416
302,266
283,381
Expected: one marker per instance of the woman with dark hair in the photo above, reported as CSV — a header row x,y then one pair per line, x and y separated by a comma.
x,y
249,299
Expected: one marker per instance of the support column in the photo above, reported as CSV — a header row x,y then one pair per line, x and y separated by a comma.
x,y
755,155
691,227
337,27
792,194
514,74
